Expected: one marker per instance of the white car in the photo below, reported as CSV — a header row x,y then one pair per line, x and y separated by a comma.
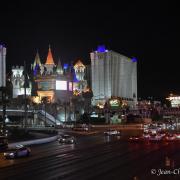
x,y
112,132
18,151
66,139
155,137
177,136
170,137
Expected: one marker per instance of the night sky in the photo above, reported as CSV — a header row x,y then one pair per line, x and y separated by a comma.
x,y
146,30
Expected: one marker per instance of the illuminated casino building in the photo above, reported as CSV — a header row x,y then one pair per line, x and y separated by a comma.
x,y
174,100
18,79
57,82
113,75
52,80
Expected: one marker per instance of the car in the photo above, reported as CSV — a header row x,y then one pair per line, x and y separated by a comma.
x,y
18,151
112,132
155,137
135,139
65,138
170,137
162,133
177,136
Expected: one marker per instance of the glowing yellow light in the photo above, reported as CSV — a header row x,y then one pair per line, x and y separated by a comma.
x,y
100,105
79,65
76,92
36,99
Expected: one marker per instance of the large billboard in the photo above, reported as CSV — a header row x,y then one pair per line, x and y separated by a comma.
x,y
61,85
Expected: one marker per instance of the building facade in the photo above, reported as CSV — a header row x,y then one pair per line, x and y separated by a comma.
x,y
18,80
113,75
80,83
53,82
2,66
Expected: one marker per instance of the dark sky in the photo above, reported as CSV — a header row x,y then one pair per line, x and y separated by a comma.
x,y
147,30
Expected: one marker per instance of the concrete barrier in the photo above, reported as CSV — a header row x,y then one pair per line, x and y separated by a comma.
x,y
32,142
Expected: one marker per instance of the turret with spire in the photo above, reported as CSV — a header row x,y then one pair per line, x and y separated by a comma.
x,y
36,66
59,69
49,62
37,60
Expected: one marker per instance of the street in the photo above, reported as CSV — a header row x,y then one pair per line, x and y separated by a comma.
x,y
96,157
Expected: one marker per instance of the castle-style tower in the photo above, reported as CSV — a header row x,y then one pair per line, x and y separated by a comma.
x,y
17,80
59,69
37,67
37,61
80,72
49,63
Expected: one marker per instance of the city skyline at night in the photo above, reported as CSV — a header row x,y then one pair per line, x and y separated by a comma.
x,y
146,31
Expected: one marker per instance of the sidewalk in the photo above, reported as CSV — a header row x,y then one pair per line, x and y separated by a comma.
x,y
37,138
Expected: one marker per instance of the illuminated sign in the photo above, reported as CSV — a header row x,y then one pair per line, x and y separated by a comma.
x,y
61,85
75,86
114,102
174,98
70,86
175,101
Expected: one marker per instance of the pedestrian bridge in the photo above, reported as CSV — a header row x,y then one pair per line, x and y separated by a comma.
x,y
16,112
41,115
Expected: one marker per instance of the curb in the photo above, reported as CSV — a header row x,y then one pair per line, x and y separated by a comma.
x,y
32,142
84,133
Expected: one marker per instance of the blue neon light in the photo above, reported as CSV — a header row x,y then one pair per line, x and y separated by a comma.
x,y
65,66
101,49
74,77
133,59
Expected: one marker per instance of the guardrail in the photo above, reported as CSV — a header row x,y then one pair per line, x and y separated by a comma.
x,y
33,142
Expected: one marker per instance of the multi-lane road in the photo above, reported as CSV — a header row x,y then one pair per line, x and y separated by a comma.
x,y
96,157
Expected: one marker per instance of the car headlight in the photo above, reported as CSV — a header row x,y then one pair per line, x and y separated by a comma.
x,y
11,154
